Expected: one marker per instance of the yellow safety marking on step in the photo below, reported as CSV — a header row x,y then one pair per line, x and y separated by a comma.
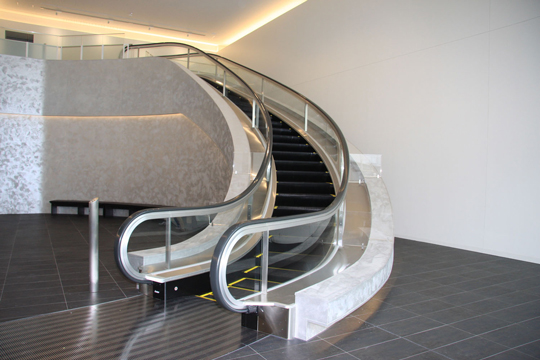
x,y
237,281
239,288
275,268
249,270
205,298
258,256
259,280
203,295
290,253
275,207
333,195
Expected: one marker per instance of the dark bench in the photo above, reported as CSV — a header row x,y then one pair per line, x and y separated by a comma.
x,y
107,206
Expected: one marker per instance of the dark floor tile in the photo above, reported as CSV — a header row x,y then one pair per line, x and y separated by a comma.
x,y
310,350
406,299
360,339
420,285
463,298
512,336
432,275
427,307
102,294
32,288
240,353
533,291
21,294
428,355
347,325
451,315
533,325
519,313
477,274
411,326
89,302
486,306
31,300
511,355
438,337
517,298
493,291
522,284
390,350
531,349
31,278
27,311
387,316
271,342
452,279
441,291
481,324
471,349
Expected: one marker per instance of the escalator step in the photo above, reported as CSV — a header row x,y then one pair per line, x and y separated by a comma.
x,y
305,187
293,147
304,200
303,176
300,165
291,155
294,210
283,131
297,139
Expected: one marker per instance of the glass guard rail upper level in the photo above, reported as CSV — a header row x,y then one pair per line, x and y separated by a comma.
x,y
182,237
67,47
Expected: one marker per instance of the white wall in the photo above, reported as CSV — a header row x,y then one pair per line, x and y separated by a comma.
x,y
447,91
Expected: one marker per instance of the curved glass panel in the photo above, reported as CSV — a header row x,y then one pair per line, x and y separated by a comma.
x,y
156,241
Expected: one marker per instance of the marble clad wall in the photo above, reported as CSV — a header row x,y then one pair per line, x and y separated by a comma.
x,y
139,130
143,159
21,85
21,160
145,86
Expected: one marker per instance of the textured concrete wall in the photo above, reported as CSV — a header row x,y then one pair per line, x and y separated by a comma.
x,y
164,159
182,155
21,85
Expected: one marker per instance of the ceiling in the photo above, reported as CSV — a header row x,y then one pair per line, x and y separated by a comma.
x,y
208,24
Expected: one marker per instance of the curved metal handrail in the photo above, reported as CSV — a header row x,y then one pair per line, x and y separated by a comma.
x,y
129,225
231,236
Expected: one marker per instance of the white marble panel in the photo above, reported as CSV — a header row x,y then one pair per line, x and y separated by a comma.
x,y
21,85
21,164
325,303
164,159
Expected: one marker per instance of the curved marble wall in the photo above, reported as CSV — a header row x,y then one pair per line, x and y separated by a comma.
x,y
167,143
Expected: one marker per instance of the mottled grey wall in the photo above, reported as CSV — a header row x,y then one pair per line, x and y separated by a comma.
x,y
21,85
145,86
21,164
162,159
79,151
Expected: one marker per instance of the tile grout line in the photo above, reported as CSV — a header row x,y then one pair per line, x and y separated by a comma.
x,y
57,269
10,257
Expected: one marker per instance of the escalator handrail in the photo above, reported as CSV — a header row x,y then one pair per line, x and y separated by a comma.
x,y
127,227
227,241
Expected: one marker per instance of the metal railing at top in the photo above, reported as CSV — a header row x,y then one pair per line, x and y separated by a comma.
x,y
160,232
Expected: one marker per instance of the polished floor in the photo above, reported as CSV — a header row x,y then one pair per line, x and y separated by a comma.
x,y
440,303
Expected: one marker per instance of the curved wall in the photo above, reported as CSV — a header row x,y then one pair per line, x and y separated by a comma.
x,y
168,142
